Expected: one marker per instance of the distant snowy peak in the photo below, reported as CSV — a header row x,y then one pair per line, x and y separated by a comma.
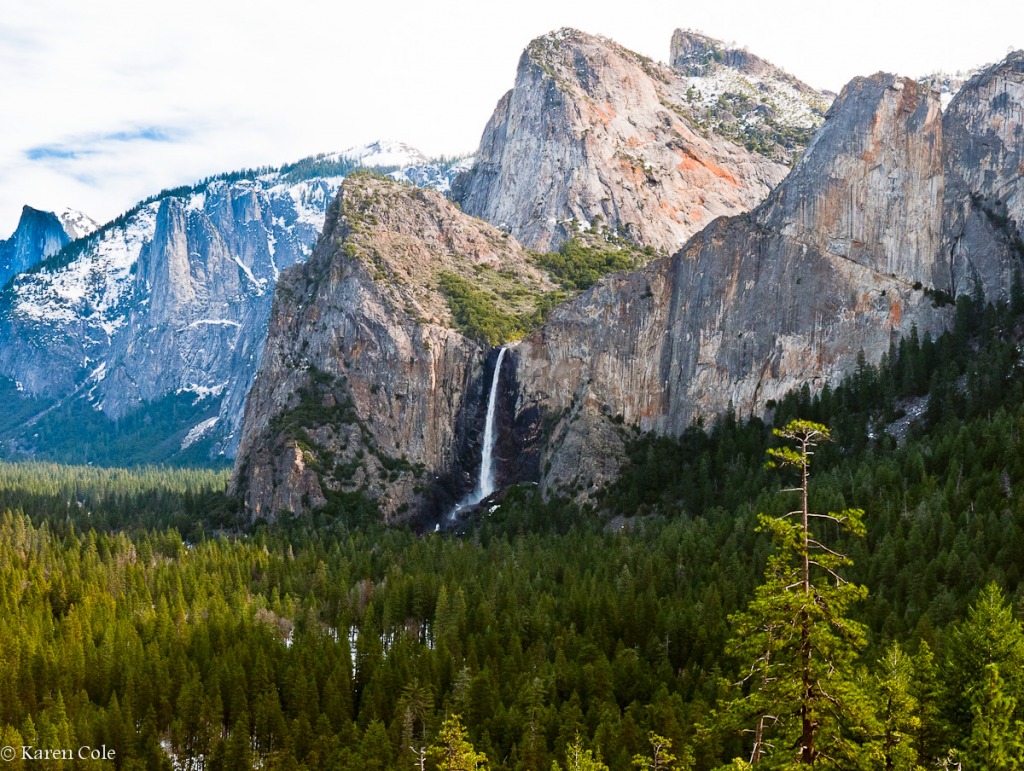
x,y
76,224
436,174
386,153
39,235
90,286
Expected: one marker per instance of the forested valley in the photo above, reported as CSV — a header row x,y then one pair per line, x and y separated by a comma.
x,y
140,611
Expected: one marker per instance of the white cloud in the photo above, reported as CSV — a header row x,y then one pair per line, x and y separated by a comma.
x,y
235,84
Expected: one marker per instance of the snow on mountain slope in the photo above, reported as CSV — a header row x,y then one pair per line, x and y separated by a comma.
x,y
436,174
738,95
386,153
174,296
92,281
91,288
948,84
76,224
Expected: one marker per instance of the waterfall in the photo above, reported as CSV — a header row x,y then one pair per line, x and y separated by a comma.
x,y
485,481
486,484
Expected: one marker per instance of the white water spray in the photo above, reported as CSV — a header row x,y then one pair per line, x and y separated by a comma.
x,y
485,482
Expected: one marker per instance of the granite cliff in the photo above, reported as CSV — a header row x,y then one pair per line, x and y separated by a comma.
x,y
367,389
593,134
983,216
163,312
892,209
891,206
40,234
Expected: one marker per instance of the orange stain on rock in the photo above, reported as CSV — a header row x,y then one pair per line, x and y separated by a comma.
x,y
689,163
606,113
668,208
895,313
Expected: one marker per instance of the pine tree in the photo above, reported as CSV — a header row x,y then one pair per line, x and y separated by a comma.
x,y
579,759
996,742
452,750
797,695
898,711
662,757
989,635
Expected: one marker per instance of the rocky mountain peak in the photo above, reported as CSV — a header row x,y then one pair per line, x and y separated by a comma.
x,y
594,133
758,304
366,384
696,55
410,237
164,311
76,224
743,97
385,153
984,164
40,234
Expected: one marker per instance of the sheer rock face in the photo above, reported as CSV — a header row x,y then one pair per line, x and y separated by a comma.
x,y
984,216
595,133
834,262
363,359
172,298
838,260
39,234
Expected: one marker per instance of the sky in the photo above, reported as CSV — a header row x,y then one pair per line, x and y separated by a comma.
x,y
105,102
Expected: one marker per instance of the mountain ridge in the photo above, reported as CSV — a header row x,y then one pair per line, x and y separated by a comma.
x,y
824,272
368,387
595,133
170,297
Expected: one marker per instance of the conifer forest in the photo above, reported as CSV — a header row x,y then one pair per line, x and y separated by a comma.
x,y
835,587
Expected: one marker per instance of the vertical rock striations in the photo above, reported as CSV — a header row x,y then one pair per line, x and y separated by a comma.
x,y
163,312
593,133
39,235
833,263
891,207
984,215
172,298
366,388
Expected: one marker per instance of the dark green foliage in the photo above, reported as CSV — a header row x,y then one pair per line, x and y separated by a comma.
x,y
517,633
799,689
577,265
73,431
478,312
489,313
322,165
137,607
981,648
